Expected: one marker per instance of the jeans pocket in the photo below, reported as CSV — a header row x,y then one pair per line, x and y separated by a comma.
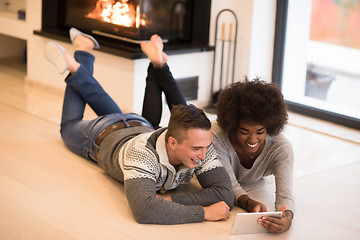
x,y
91,126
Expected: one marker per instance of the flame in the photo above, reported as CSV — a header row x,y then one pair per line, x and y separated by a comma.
x,y
117,12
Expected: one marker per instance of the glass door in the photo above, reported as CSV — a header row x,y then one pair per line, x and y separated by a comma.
x,y
317,56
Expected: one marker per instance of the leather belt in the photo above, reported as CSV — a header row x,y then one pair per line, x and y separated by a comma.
x,y
109,129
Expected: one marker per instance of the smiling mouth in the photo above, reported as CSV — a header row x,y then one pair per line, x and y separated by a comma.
x,y
252,145
195,161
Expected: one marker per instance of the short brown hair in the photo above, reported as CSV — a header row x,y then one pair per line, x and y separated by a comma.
x,y
253,101
184,117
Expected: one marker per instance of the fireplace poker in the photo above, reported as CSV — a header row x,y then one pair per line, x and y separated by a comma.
x,y
229,53
222,55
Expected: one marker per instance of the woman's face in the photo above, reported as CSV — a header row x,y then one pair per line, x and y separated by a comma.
x,y
251,136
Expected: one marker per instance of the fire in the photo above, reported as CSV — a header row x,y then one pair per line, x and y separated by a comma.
x,y
117,12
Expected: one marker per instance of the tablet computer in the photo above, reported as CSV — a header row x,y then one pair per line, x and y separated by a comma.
x,y
247,222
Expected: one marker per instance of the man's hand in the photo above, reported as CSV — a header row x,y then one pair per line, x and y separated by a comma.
x,y
217,211
277,225
166,197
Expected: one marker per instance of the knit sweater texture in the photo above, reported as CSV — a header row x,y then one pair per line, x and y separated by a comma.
x,y
140,161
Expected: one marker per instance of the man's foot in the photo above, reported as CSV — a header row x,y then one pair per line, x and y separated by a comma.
x,y
57,56
153,49
82,41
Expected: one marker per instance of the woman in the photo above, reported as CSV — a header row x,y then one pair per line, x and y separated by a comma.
x,y
247,136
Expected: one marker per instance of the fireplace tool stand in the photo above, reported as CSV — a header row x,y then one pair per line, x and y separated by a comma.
x,y
225,60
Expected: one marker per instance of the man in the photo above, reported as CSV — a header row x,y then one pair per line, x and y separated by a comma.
x,y
128,149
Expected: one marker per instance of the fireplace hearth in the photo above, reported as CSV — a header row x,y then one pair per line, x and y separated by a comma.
x,y
120,26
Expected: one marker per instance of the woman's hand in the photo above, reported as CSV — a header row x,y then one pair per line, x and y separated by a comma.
x,y
255,206
277,225
250,205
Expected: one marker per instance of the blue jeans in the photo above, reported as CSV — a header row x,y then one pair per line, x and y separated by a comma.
x,y
81,88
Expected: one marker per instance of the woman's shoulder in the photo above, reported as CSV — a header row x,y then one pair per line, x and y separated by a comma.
x,y
215,127
279,141
218,133
220,138
280,146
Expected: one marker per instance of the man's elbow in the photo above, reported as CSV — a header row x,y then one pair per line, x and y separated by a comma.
x,y
229,198
143,217
227,195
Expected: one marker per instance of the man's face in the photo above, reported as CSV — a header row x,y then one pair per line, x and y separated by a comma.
x,y
193,147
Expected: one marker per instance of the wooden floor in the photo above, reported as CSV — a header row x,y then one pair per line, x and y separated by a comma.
x,y
47,192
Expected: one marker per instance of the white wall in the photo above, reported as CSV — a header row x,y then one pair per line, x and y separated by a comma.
x,y
295,57
262,39
12,5
255,40
243,10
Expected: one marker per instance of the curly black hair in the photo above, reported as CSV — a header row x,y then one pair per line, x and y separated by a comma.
x,y
253,102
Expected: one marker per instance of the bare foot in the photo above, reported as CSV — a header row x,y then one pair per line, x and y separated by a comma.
x,y
153,49
58,56
82,43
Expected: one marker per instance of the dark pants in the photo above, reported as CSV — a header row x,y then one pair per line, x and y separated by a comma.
x,y
158,81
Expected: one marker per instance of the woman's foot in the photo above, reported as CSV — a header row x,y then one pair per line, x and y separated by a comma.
x,y
82,41
153,49
57,56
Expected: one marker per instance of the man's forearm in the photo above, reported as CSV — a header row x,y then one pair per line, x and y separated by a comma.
x,y
149,209
216,187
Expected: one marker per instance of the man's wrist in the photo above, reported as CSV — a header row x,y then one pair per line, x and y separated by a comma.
x,y
205,213
165,197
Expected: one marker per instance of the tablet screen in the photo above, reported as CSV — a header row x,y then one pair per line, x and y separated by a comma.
x,y
247,222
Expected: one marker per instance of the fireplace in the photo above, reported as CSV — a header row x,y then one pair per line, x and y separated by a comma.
x,y
120,25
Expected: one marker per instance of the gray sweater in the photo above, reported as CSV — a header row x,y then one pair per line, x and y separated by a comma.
x,y
139,159
276,159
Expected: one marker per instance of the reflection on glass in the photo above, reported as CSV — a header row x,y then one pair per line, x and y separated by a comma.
x,y
322,55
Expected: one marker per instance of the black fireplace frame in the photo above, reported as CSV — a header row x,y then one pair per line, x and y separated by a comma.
x,y
198,42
